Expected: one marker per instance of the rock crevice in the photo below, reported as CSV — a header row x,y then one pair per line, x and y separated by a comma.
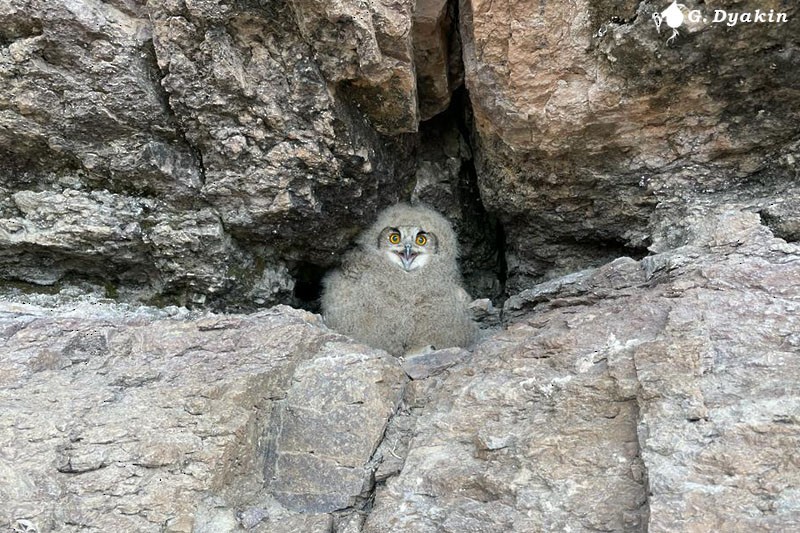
x,y
630,203
621,398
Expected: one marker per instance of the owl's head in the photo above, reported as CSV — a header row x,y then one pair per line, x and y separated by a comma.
x,y
409,247
412,237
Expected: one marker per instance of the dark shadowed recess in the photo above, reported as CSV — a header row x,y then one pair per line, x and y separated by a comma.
x,y
782,225
308,285
447,182
481,234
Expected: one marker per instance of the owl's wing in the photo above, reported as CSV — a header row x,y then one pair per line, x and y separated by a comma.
x,y
355,263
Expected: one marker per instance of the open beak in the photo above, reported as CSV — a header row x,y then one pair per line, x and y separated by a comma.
x,y
407,257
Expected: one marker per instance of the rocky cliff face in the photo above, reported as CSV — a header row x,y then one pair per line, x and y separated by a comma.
x,y
629,193
657,395
587,120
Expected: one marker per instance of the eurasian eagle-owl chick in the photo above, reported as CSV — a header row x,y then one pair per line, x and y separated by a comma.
x,y
400,288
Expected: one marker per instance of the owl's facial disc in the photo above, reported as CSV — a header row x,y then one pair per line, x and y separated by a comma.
x,y
408,247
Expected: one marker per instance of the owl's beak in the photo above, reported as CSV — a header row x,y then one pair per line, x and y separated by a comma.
x,y
407,257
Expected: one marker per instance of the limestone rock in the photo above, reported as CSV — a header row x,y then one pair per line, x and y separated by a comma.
x,y
281,151
116,237
586,120
78,97
367,47
423,365
629,197
215,116
264,125
658,395
147,420
318,460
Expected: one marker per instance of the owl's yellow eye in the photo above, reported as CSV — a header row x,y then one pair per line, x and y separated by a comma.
x,y
394,238
422,240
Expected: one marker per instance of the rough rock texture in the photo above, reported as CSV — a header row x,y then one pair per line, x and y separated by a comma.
x,y
366,46
628,196
586,119
328,427
276,130
144,420
658,395
652,395
204,118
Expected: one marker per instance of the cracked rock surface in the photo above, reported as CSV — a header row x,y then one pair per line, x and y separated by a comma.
x,y
213,123
551,133
147,420
628,211
586,120
651,395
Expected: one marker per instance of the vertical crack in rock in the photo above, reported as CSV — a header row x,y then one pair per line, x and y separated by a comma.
x,y
446,179
446,173
437,55
639,472
494,231
157,76
382,463
321,451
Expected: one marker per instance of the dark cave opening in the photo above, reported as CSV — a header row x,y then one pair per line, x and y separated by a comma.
x,y
605,246
447,180
308,285
783,225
